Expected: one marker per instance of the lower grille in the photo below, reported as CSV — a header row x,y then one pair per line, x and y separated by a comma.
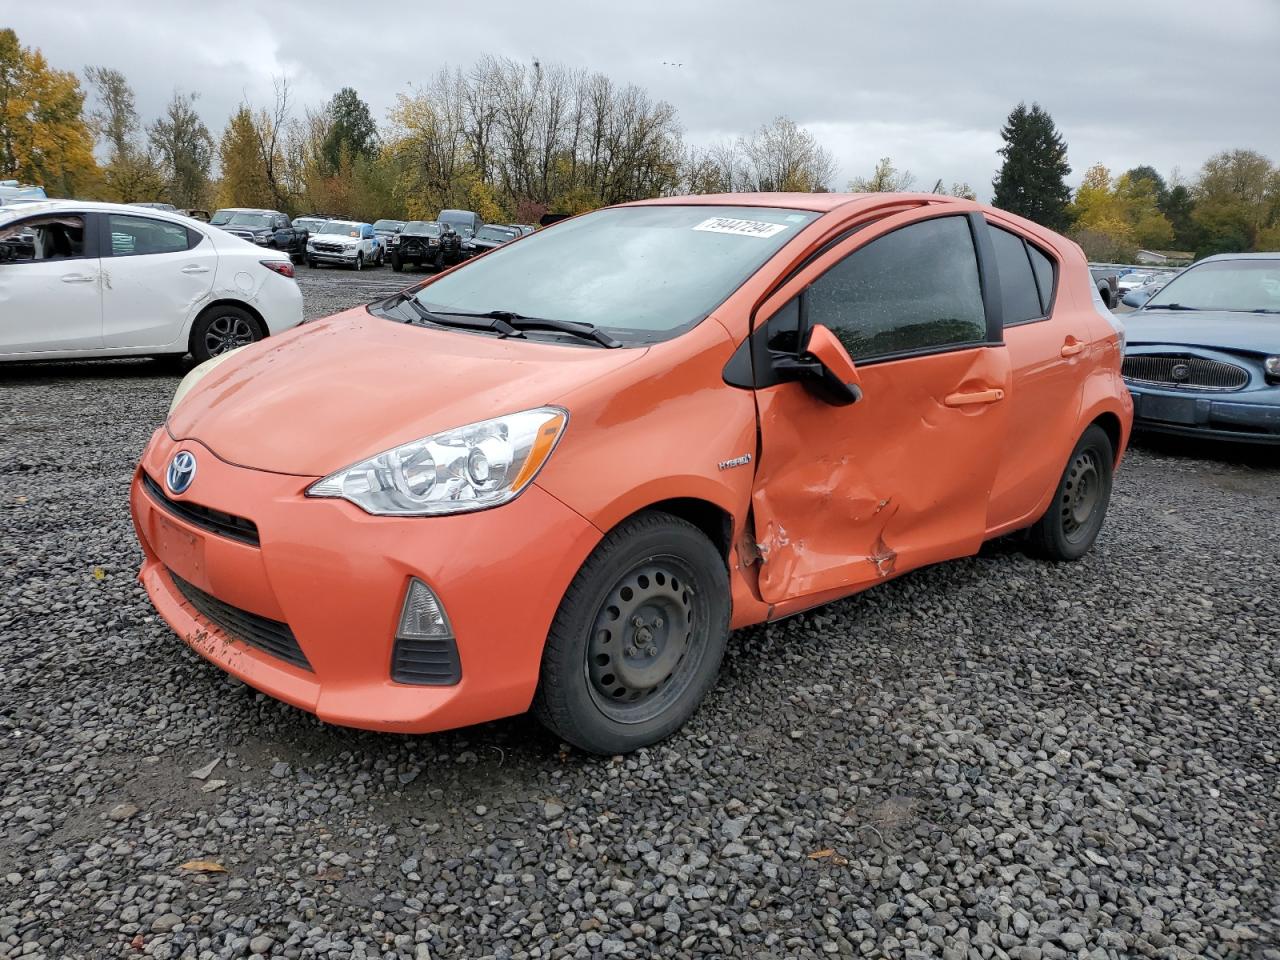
x,y
269,636
215,521
426,662
1183,371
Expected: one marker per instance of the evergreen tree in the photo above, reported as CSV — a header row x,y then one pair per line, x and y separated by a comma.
x,y
351,128
1032,179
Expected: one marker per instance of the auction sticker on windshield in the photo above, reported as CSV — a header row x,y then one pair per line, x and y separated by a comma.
x,y
742,228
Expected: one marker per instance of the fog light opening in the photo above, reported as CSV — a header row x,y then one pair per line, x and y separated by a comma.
x,y
423,616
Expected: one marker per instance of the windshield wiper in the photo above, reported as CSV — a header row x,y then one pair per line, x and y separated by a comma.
x,y
1264,310
518,322
496,324
1175,306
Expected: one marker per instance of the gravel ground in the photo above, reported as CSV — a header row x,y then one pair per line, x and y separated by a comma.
x,y
992,758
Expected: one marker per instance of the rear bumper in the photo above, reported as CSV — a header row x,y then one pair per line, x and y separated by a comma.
x,y
337,577
1201,415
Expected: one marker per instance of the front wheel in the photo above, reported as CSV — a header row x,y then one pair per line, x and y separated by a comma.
x,y
1071,524
396,265
638,638
221,329
359,265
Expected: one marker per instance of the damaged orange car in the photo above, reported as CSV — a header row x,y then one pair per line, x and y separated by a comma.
x,y
557,476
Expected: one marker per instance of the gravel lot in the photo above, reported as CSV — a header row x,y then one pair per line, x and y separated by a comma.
x,y
993,758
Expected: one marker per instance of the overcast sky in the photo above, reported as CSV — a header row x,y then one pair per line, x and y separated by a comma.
x,y
928,82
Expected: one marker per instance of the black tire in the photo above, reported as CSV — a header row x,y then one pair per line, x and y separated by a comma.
x,y
222,328
1071,524
396,265
652,599
313,264
296,258
359,264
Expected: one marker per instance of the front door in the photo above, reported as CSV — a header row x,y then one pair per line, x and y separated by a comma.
x,y
849,496
50,298
155,274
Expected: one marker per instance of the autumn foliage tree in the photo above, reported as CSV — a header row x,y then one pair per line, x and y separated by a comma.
x,y
44,137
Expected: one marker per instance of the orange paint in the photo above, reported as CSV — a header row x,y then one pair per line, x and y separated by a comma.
x,y
810,501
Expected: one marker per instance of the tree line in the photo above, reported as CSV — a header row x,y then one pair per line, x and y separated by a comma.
x,y
513,141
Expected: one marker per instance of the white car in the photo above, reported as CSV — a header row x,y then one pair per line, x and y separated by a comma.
x,y
1132,281
112,280
347,243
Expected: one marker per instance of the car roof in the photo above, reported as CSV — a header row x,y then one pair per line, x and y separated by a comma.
x,y
1264,255
93,206
815,202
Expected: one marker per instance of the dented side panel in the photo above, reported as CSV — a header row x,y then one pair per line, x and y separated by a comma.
x,y
846,497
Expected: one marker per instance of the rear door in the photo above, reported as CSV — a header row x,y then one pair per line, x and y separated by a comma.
x,y
847,496
50,294
156,274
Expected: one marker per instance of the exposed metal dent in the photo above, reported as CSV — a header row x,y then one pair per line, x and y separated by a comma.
x,y
883,556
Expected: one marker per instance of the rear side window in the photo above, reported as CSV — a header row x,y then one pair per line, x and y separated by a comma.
x,y
910,291
1043,268
139,236
1018,291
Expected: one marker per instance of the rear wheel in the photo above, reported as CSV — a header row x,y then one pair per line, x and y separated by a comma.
x,y
223,328
1071,524
638,638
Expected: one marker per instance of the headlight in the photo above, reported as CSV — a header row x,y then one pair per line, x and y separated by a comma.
x,y
1272,366
195,375
481,465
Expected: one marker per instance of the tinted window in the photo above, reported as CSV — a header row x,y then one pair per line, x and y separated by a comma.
x,y
136,236
1017,283
1043,267
914,289
43,238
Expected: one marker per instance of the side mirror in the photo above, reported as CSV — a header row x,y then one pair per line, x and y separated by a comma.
x,y
1135,298
825,368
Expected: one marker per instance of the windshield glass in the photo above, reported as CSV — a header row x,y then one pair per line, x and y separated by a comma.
x,y
422,228
495,233
307,223
342,227
640,273
1234,285
245,220
388,225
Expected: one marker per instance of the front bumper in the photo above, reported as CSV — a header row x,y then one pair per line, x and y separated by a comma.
x,y
328,256
1218,416
338,576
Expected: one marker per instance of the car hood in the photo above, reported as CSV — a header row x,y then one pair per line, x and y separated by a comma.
x,y
330,393
1248,332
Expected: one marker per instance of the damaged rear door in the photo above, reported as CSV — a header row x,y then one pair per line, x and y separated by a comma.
x,y
846,496
155,274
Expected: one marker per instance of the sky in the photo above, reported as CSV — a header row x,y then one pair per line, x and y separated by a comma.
x,y
926,82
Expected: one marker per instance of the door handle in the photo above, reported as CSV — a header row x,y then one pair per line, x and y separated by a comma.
x,y
193,268
77,278
980,396
1071,346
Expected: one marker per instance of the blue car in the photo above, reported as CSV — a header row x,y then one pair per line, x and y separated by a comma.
x,y
1203,352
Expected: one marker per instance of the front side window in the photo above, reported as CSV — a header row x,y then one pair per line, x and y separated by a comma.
x,y
912,290
1235,286
1018,291
642,274
138,236
55,237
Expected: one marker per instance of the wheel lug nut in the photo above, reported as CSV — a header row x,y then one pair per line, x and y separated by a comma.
x,y
631,651
652,651
657,622
637,622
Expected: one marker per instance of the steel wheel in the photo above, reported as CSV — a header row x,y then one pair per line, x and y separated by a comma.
x,y
227,332
639,653
1081,494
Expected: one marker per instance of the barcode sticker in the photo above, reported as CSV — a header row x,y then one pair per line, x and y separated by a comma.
x,y
741,228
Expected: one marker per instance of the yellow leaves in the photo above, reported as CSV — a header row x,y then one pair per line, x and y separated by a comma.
x,y
828,854
99,573
203,866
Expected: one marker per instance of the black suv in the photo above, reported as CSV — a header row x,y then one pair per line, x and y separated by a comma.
x,y
266,228
425,243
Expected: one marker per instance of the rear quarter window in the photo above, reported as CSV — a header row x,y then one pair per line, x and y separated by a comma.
x,y
1019,292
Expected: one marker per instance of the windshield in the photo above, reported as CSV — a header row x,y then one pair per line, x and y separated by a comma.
x,y
422,228
244,220
1245,286
343,228
307,223
389,226
495,233
640,273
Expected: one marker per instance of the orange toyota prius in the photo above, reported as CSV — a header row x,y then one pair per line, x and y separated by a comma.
x,y
557,476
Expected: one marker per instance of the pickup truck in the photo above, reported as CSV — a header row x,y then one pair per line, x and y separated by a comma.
x,y
266,228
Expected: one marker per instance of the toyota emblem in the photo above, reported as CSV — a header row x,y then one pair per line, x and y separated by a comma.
x,y
182,470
